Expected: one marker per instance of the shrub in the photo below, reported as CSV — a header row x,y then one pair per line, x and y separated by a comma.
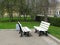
x,y
39,18
53,20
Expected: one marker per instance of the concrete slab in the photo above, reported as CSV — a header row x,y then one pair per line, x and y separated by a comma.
x,y
11,37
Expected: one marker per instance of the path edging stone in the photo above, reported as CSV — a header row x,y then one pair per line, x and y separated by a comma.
x,y
54,38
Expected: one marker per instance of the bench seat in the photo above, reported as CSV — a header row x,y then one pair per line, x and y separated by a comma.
x,y
40,29
26,29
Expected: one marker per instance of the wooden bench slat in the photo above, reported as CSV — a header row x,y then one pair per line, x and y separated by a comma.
x,y
43,26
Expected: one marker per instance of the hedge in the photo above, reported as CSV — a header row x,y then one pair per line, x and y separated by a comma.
x,y
53,20
39,18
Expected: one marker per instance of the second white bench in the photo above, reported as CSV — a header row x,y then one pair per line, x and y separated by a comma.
x,y
42,28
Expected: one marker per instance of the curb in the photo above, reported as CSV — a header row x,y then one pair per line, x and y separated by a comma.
x,y
54,38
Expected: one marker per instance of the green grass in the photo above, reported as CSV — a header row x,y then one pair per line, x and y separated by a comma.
x,y
7,25
12,25
55,31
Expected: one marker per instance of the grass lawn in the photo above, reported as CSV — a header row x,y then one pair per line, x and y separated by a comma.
x,y
12,25
55,31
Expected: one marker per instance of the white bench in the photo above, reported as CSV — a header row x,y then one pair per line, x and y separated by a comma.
x,y
42,28
25,30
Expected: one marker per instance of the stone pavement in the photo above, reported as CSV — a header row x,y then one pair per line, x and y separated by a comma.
x,y
11,37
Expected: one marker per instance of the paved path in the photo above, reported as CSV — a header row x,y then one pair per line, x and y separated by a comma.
x,y
9,37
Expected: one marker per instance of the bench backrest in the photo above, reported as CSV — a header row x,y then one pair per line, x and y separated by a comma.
x,y
19,26
44,25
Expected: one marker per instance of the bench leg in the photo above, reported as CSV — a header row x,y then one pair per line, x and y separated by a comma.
x,y
21,34
35,31
46,33
41,33
27,33
24,33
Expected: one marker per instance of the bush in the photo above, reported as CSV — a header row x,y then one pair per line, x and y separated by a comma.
x,y
15,19
53,20
39,18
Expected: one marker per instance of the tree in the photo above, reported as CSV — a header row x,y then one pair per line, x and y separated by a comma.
x,y
33,9
44,5
9,6
52,5
25,7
